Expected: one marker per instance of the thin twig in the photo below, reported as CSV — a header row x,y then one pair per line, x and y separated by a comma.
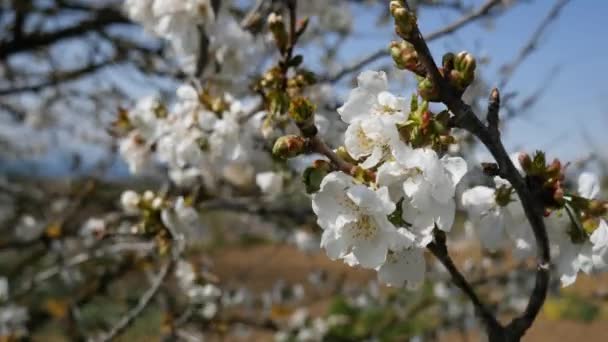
x,y
480,12
509,68
144,300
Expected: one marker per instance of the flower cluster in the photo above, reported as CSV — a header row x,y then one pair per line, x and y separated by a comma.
x,y
577,230
200,138
385,221
184,23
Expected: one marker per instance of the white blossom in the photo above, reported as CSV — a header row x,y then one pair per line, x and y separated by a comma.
x,y
354,219
129,201
430,192
405,264
496,223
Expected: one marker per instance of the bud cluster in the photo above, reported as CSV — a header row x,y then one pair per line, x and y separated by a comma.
x,y
548,179
406,57
405,20
459,70
423,128
278,30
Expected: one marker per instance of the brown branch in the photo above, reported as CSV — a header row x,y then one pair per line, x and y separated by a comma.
x,y
465,118
439,249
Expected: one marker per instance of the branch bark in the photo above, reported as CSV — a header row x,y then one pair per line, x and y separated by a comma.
x,y
465,118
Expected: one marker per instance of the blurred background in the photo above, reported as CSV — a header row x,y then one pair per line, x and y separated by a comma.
x,y
67,68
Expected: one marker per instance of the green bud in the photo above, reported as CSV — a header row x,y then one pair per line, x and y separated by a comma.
x,y
428,90
465,62
301,110
277,27
448,61
406,57
289,146
405,21
313,175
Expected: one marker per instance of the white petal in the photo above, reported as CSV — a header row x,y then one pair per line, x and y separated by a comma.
x,y
378,153
370,253
187,92
406,267
373,81
356,141
445,213
490,228
334,246
588,185
456,167
599,237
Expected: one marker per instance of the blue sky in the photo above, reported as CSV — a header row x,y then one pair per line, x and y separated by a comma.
x,y
577,98
575,103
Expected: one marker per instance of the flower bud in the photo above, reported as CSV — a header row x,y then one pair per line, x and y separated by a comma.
x,y
465,62
428,90
302,111
405,21
289,146
313,175
277,27
525,161
130,201
406,57
459,69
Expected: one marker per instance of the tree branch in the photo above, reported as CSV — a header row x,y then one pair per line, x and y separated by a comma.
x,y
439,249
144,300
482,11
465,118
102,18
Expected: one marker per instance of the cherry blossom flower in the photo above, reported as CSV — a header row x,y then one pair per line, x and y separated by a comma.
x,y
430,192
354,219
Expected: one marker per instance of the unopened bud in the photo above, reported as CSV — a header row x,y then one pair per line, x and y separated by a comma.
x,y
277,27
465,62
525,161
301,110
428,90
405,21
555,168
289,146
406,57
313,175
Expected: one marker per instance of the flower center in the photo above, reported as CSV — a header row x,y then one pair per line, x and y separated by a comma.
x,y
365,228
